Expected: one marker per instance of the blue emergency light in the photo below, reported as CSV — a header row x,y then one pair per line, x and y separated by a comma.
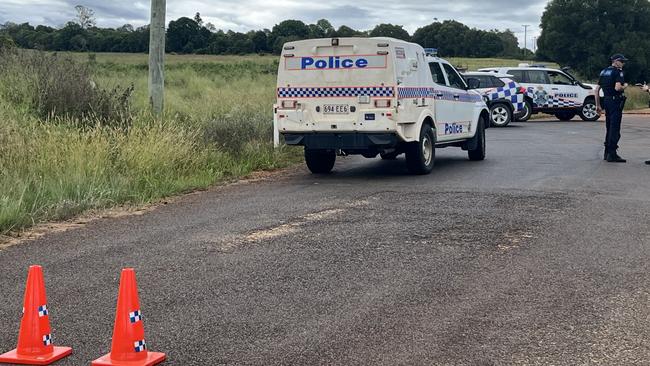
x,y
431,51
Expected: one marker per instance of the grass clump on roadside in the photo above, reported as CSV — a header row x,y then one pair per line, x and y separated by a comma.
x,y
636,99
81,141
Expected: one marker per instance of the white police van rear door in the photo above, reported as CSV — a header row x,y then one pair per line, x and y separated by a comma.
x,y
343,87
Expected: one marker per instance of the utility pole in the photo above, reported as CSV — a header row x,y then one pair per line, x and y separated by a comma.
x,y
525,38
157,56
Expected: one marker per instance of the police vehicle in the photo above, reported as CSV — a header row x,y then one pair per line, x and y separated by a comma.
x,y
375,96
504,97
552,91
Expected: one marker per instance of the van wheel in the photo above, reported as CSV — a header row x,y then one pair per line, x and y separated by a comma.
x,y
565,115
478,153
420,155
588,112
500,115
525,114
320,161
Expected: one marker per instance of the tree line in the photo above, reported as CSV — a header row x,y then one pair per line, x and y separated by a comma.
x,y
583,34
193,36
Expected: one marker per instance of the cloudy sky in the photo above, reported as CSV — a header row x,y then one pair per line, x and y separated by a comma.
x,y
244,15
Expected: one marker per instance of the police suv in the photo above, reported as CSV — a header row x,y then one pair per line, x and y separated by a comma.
x,y
504,97
552,91
374,96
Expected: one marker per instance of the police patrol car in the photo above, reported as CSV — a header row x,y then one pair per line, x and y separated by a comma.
x,y
504,97
374,96
552,91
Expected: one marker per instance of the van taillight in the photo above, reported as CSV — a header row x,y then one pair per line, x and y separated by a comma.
x,y
522,90
382,103
289,104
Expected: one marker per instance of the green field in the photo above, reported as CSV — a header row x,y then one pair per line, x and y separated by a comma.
x,y
217,127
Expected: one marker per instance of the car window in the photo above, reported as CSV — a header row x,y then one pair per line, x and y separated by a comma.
x,y
455,81
517,75
537,77
483,80
559,78
437,74
496,82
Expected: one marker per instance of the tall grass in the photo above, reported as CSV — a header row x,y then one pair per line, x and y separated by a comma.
x,y
217,126
636,99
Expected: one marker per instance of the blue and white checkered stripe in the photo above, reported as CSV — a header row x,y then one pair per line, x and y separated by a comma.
x,y
509,92
405,93
47,339
553,102
135,316
504,92
518,102
42,311
560,103
341,92
140,346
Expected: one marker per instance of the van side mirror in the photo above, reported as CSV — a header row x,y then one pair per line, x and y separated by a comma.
x,y
473,83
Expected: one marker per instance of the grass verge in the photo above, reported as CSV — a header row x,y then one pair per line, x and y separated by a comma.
x,y
217,127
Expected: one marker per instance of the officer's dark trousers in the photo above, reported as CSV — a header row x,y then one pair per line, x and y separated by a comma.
x,y
613,117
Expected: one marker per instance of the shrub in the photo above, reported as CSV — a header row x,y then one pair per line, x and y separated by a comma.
x,y
60,88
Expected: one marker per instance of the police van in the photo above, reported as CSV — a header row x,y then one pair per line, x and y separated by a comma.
x,y
374,96
552,91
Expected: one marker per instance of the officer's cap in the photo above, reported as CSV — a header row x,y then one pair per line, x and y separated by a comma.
x,y
618,57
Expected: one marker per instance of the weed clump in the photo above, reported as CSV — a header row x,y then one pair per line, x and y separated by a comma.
x,y
57,88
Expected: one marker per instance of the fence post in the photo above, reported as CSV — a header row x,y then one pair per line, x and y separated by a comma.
x,y
276,132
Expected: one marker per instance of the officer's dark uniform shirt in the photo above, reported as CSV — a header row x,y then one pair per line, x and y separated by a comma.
x,y
608,79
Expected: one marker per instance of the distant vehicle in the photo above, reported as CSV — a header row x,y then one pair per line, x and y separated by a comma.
x,y
375,96
504,97
552,91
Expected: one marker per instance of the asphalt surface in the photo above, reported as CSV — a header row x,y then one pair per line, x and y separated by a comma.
x,y
536,256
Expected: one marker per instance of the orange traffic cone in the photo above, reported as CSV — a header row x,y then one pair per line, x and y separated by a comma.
x,y
128,346
35,337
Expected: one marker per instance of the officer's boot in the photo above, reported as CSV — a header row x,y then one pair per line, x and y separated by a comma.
x,y
647,162
614,158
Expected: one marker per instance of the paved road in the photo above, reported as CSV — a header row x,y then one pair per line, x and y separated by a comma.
x,y
538,255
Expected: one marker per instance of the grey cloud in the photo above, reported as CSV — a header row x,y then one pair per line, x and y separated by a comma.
x,y
245,15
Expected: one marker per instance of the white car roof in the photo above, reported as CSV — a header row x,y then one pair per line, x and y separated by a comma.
x,y
526,68
479,73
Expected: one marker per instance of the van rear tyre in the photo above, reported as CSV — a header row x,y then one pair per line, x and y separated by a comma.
x,y
420,155
320,161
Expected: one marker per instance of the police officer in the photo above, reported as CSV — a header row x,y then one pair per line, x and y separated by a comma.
x,y
613,84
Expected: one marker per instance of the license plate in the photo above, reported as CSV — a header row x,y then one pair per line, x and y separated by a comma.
x,y
336,109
